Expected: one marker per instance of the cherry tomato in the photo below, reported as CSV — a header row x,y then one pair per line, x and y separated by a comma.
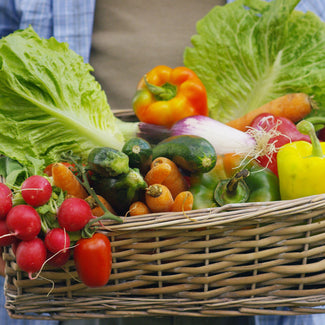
x,y
93,259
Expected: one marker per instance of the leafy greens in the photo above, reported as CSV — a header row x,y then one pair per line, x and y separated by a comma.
x,y
251,51
50,102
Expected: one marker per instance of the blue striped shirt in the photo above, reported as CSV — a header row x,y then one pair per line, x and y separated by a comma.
x,y
68,21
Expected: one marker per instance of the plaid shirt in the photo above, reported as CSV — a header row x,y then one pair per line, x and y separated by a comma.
x,y
68,21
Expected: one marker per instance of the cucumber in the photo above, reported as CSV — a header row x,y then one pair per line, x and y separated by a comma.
x,y
139,152
108,162
189,152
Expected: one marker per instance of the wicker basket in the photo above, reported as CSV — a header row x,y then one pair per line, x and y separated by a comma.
x,y
242,259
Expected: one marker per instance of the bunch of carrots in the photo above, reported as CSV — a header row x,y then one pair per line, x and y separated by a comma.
x,y
168,189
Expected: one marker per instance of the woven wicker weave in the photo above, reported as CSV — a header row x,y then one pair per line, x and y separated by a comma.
x,y
243,259
235,260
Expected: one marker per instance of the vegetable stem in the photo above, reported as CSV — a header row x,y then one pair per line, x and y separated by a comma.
x,y
166,92
306,127
233,182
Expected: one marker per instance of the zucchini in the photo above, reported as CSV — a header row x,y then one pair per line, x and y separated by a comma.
x,y
139,152
190,152
108,162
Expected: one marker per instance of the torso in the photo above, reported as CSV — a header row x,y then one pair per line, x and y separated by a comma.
x,y
132,37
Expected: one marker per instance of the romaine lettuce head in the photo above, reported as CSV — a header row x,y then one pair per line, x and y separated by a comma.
x,y
249,52
49,101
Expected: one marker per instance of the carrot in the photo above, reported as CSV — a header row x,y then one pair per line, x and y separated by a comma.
x,y
96,210
64,178
48,168
183,202
158,198
175,181
138,208
158,173
292,106
231,162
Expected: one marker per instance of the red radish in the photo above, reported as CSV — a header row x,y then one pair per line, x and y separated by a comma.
x,y
57,240
58,259
14,245
24,222
5,200
36,190
31,255
74,214
4,231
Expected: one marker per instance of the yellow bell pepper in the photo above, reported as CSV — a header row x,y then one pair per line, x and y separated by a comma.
x,y
301,166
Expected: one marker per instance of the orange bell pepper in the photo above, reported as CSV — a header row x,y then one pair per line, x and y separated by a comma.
x,y
165,95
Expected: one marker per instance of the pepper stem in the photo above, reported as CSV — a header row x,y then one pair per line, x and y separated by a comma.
x,y
233,182
306,127
165,92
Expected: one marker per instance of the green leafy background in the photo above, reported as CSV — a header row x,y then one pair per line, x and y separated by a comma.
x,y
250,52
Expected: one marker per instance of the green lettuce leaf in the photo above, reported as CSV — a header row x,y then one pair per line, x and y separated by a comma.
x,y
250,52
50,102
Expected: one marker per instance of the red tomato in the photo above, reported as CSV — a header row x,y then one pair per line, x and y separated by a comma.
x,y
93,259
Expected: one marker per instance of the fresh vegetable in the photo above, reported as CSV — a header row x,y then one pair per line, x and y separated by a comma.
x,y
165,95
171,177
138,208
301,165
93,259
263,184
190,152
250,52
158,173
48,168
233,190
31,255
108,162
58,259
5,238
36,190
139,152
120,191
293,107
56,240
24,222
65,179
50,102
96,209
73,214
222,137
283,130
183,202
203,185
5,200
158,198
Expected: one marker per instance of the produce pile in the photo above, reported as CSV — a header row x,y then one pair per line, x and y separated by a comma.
x,y
242,121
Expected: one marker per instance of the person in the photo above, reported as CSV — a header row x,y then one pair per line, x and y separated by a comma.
x,y
122,40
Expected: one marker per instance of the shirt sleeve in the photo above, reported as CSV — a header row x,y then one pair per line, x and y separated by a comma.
x,y
9,19
73,23
68,21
